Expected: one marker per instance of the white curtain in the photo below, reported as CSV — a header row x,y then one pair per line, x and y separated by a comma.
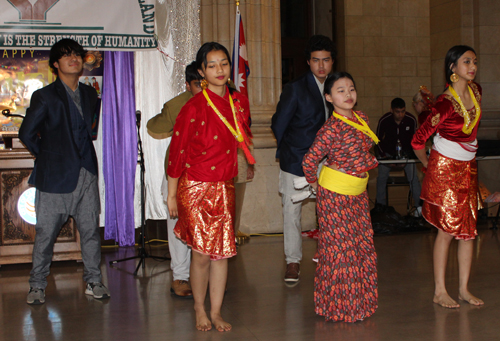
x,y
158,78
153,87
98,151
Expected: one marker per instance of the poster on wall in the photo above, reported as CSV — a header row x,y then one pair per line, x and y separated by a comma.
x,y
22,72
103,25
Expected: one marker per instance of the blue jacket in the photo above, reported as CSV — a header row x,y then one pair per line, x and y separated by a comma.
x,y
299,115
47,133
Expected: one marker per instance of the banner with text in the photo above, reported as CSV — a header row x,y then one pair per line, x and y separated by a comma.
x,y
124,25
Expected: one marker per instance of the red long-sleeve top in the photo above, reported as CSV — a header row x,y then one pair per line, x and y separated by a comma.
x,y
202,145
446,119
343,145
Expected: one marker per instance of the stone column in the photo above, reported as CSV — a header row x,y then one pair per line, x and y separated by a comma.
x,y
262,210
261,21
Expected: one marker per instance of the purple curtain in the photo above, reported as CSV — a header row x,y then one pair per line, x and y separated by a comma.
x,y
119,146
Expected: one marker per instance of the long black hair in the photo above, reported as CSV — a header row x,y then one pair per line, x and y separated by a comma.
x,y
452,57
205,49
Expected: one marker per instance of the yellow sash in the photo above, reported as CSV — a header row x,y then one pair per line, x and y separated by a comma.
x,y
468,125
341,183
236,133
363,127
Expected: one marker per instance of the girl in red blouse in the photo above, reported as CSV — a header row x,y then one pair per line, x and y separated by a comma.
x,y
345,285
202,165
450,188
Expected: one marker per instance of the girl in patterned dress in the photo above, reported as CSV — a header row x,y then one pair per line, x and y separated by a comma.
x,y
345,285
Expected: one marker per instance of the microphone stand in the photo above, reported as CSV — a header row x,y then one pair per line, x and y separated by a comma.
x,y
142,253
6,113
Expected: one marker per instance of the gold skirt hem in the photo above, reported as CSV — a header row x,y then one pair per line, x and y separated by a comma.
x,y
450,194
206,217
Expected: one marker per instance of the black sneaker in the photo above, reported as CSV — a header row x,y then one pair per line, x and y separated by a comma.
x,y
98,290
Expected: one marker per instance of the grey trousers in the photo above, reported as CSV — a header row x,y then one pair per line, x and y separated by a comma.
x,y
411,175
180,253
52,211
292,214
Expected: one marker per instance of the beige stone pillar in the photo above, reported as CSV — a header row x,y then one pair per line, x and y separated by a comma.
x,y
261,21
262,212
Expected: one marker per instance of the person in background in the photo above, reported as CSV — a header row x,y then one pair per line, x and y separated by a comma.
x,y
422,102
160,127
299,115
395,129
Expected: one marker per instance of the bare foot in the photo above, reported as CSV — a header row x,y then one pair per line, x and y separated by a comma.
x,y
202,322
469,298
220,324
444,300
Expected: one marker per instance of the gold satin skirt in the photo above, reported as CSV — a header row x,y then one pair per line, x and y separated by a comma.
x,y
206,217
450,194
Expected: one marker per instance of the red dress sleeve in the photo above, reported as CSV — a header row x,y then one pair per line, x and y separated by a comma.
x,y
245,104
318,150
435,116
445,118
182,133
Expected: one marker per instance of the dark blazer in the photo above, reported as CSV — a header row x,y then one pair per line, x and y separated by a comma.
x,y
47,133
299,115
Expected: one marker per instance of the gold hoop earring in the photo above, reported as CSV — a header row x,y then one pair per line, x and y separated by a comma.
x,y
204,84
454,77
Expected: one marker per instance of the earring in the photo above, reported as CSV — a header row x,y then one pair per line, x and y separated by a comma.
x,y
204,84
454,77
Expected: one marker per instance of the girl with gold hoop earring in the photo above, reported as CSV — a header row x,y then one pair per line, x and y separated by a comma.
x,y
450,186
202,164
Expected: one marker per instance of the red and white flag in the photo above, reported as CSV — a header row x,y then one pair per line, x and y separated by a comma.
x,y
240,69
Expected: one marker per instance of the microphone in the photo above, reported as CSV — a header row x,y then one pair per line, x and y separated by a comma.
x,y
6,113
138,118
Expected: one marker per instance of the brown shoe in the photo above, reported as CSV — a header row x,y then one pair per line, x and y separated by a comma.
x,y
181,289
292,272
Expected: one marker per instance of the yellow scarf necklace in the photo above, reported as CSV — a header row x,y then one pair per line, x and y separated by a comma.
x,y
236,133
363,127
468,125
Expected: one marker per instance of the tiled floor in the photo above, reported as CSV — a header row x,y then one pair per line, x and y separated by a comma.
x,y
258,303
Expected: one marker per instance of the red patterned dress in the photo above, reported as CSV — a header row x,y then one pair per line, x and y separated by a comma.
x,y
345,285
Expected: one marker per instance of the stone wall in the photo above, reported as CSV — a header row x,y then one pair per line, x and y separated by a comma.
x,y
387,50
391,47
474,23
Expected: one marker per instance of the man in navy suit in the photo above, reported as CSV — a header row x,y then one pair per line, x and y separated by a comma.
x,y
299,115
57,131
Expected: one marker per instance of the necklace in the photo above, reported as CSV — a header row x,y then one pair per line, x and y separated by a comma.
x,y
468,125
236,133
363,127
